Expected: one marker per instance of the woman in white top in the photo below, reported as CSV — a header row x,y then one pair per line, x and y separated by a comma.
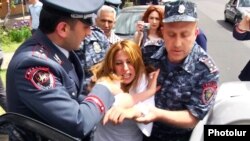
x,y
123,66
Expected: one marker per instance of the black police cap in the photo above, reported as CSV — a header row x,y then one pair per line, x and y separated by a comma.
x,y
77,9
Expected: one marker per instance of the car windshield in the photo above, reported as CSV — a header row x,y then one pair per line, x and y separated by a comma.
x,y
244,3
125,23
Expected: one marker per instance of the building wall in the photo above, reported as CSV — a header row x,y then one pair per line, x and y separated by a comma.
x,y
17,10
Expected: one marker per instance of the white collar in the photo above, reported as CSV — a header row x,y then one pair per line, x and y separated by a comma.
x,y
64,51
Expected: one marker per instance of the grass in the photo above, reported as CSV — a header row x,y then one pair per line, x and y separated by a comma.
x,y
10,47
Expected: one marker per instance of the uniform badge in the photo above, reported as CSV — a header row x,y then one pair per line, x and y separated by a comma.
x,y
41,78
97,47
209,89
181,9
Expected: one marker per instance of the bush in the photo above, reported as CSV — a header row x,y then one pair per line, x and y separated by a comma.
x,y
4,38
18,33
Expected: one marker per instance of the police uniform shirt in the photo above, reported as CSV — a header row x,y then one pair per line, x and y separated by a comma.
x,y
189,86
92,51
40,84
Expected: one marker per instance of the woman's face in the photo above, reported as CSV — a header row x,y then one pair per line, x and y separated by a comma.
x,y
123,67
154,20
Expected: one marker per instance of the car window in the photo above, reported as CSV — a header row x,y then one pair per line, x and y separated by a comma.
x,y
244,3
125,23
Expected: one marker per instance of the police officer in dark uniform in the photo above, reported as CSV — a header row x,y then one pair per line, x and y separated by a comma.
x,y
45,77
188,77
92,50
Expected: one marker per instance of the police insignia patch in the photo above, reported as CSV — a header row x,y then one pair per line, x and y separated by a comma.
x,y
209,89
41,77
97,47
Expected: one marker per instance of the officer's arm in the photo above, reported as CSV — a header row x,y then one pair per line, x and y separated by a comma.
x,y
52,103
203,96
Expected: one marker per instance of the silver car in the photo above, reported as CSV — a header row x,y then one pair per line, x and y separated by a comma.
x,y
234,10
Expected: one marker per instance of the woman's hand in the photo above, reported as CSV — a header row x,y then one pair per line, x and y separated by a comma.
x,y
117,114
151,116
139,32
139,26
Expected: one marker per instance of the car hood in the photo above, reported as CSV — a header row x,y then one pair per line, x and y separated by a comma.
x,y
244,9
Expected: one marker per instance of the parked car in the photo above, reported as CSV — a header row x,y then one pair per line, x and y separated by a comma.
x,y
234,10
126,20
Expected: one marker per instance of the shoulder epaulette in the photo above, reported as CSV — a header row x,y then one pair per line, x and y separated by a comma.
x,y
209,63
40,51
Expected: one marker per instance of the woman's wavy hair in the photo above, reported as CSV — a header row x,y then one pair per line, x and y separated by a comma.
x,y
105,69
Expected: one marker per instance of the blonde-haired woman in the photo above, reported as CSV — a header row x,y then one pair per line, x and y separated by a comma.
x,y
123,66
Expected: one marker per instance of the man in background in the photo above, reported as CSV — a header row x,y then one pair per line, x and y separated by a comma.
x,y
35,7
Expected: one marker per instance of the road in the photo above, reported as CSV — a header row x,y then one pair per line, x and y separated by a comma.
x,y
229,54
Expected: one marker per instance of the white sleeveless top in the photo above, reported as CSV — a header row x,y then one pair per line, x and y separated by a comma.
x,y
129,130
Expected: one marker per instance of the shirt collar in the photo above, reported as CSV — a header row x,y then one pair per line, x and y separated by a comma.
x,y
64,51
188,63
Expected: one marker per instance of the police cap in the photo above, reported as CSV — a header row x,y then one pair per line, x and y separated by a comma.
x,y
77,9
180,10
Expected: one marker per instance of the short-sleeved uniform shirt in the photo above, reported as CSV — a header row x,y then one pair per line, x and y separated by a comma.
x,y
92,51
190,86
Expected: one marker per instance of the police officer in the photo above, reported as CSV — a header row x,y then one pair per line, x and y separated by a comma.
x,y
95,46
188,77
44,77
91,52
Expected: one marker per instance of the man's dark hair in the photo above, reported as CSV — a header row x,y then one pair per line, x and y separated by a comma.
x,y
49,20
